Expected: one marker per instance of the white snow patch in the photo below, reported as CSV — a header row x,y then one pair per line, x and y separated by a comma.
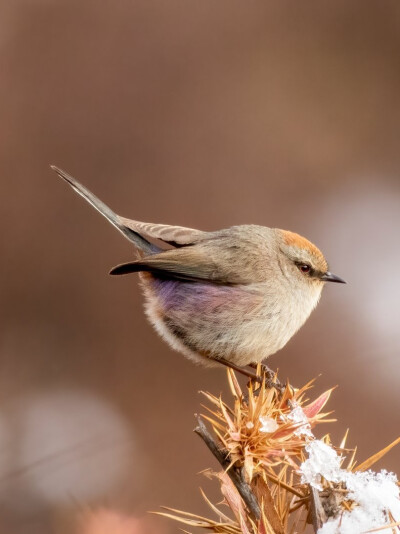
x,y
322,461
298,416
269,424
376,494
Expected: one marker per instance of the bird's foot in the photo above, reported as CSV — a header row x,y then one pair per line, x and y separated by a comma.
x,y
269,377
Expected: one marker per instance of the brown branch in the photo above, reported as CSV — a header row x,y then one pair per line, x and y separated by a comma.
x,y
234,474
318,515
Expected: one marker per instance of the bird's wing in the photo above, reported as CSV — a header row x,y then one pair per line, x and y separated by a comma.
x,y
174,235
187,263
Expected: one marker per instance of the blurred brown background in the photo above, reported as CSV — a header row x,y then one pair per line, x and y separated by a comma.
x,y
204,114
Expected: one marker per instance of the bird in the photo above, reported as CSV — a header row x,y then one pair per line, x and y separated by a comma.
x,y
232,296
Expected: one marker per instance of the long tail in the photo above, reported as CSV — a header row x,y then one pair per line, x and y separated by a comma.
x,y
135,238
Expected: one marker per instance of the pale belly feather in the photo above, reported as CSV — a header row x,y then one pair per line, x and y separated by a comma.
x,y
243,324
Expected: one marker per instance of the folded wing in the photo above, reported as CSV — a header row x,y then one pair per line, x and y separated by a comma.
x,y
194,263
173,235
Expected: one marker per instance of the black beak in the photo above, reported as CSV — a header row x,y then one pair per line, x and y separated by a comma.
x,y
329,277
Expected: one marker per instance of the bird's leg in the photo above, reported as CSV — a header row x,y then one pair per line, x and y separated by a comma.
x,y
246,372
242,370
266,371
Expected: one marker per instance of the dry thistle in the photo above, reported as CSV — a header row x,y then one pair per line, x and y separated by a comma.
x,y
277,476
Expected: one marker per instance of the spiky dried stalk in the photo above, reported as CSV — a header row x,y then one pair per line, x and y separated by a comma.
x,y
261,443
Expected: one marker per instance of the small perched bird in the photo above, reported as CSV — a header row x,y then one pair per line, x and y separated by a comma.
x,y
232,296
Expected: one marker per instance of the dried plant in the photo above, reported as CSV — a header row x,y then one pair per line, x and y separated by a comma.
x,y
277,477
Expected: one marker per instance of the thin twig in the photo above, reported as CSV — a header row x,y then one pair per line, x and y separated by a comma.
x,y
234,474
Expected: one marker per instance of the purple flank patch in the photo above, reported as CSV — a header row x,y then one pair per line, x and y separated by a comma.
x,y
166,291
175,295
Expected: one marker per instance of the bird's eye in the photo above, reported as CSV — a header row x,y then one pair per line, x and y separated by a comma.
x,y
304,268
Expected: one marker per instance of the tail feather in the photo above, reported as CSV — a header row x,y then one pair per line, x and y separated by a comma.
x,y
135,238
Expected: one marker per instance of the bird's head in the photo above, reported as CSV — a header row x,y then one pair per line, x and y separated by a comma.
x,y
303,261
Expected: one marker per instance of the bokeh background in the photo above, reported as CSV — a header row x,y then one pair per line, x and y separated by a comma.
x,y
202,114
